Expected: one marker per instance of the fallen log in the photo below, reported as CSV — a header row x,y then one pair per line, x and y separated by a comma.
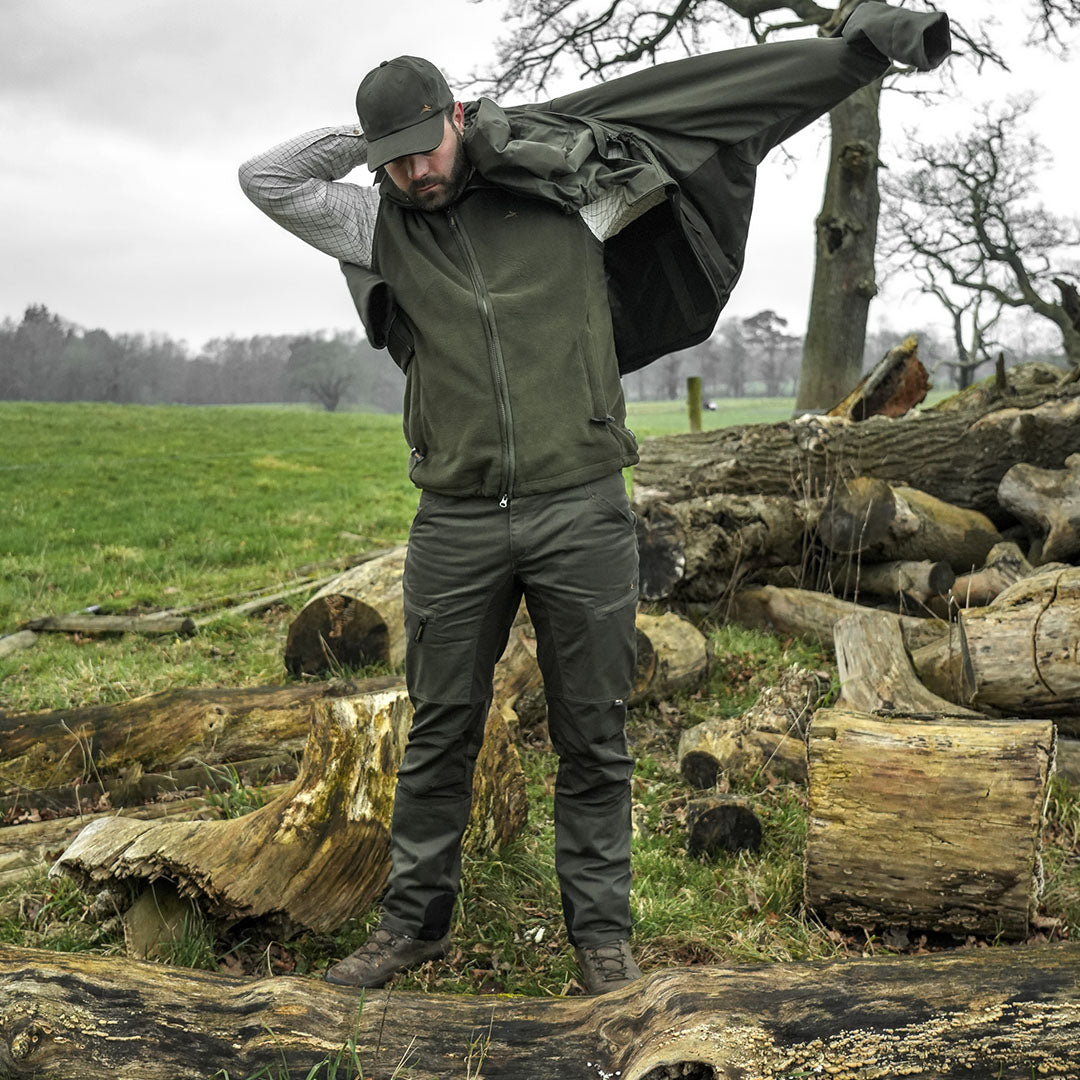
x,y
957,456
918,582
810,614
768,741
697,549
319,853
1016,657
1001,1012
1004,566
930,823
354,620
163,731
1047,500
721,824
12,643
883,522
85,623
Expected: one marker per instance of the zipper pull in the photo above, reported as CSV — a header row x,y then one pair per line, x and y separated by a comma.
x,y
504,502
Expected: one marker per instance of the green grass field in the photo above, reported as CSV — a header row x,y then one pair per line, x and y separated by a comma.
x,y
142,508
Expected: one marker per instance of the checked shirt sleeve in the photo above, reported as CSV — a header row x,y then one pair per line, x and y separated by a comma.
x,y
298,184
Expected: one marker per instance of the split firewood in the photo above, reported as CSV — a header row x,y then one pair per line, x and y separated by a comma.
x,y
767,741
86,623
1015,657
319,853
810,614
721,824
959,456
354,620
161,732
930,823
880,522
1047,500
696,549
12,643
896,384
1001,1012
875,672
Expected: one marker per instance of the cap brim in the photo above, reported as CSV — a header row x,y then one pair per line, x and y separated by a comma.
x,y
420,138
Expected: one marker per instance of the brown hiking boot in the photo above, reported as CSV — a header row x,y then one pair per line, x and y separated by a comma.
x,y
382,955
606,967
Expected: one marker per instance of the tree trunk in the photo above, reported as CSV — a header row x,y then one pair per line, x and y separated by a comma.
x,y
953,455
159,732
319,853
767,742
1002,1012
846,231
1047,500
1016,657
354,620
926,823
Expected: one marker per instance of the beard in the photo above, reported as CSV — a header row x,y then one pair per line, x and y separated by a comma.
x,y
434,191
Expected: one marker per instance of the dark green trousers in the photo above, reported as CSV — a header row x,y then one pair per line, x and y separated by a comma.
x,y
573,556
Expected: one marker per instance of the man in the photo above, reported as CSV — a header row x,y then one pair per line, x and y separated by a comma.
x,y
514,262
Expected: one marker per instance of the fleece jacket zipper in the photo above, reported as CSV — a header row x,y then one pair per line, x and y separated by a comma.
x,y
495,356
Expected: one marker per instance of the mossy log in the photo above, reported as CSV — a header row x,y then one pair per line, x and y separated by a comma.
x,y
768,741
930,823
1009,1013
354,620
882,522
159,732
317,854
1048,500
1017,656
958,456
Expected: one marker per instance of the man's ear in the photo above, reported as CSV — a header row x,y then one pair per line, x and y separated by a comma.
x,y
459,117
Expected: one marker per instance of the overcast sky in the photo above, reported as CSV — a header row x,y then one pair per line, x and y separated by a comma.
x,y
123,122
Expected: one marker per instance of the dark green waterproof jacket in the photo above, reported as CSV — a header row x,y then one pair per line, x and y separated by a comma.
x,y
513,381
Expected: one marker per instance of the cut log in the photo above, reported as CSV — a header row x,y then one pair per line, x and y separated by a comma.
x,y
957,456
697,549
926,823
1048,500
12,643
722,824
767,741
672,656
159,732
84,623
355,620
319,853
1008,1013
1004,566
1018,655
875,672
918,582
880,522
805,613
897,383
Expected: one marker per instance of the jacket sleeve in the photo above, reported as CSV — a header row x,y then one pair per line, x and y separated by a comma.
x,y
750,99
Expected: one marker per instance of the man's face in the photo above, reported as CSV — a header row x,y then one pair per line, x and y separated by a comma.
x,y
434,180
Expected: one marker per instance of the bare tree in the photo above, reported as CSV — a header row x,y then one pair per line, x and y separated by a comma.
x,y
967,220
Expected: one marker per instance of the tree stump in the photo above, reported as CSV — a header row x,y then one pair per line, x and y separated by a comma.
x,y
316,855
1006,1013
926,823
355,620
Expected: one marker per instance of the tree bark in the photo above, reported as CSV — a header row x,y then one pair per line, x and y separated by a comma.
x,y
846,232
1016,657
354,620
81,623
1001,1012
319,853
926,823
1047,500
159,732
956,456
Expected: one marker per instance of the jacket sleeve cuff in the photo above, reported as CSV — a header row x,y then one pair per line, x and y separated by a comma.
x,y
915,38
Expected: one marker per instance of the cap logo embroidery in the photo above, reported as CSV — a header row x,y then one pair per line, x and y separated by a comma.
x,y
425,108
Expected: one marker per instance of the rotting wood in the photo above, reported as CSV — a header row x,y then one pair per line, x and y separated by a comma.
x,y
898,382
1017,656
1007,1012
319,853
1048,500
768,741
83,623
931,823
1004,565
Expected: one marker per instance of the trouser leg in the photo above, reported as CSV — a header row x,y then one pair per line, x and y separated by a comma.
x,y
579,572
460,599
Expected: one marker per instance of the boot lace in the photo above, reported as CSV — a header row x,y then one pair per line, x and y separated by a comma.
x,y
609,961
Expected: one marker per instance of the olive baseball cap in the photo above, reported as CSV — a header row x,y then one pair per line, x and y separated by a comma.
x,y
401,104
